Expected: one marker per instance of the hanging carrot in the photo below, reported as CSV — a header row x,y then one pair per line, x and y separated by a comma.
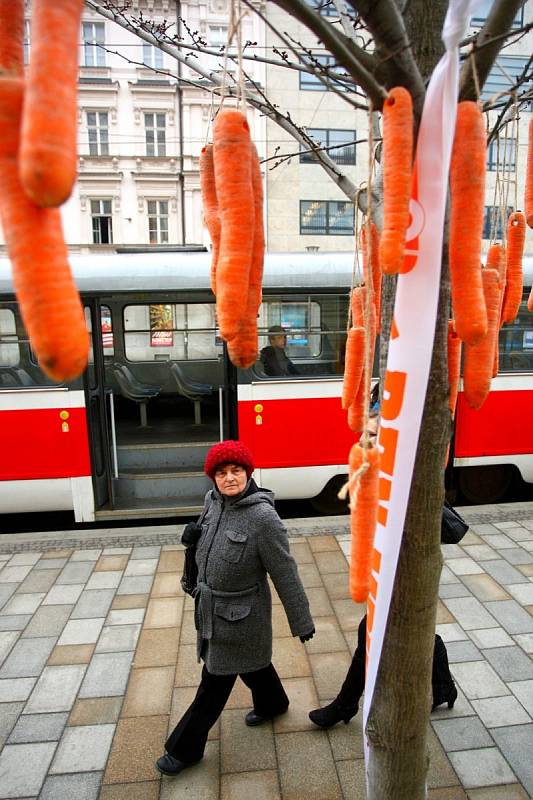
x,y
48,148
210,206
397,178
479,358
233,178
49,302
467,182
353,365
363,518
516,237
454,366
242,349
374,266
358,408
528,198
12,37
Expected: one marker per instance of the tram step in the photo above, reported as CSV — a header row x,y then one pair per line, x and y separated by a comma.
x,y
178,454
160,483
153,508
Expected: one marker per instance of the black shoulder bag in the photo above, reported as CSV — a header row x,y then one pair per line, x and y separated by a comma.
x,y
453,526
189,538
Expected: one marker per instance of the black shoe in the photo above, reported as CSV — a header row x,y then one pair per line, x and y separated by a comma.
x,y
168,765
329,715
444,694
252,719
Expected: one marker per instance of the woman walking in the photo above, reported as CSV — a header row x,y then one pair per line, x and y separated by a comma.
x,y
242,540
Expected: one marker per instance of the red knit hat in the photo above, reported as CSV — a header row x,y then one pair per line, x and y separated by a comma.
x,y
228,452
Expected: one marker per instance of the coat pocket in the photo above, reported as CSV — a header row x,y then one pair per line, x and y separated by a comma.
x,y
233,546
232,612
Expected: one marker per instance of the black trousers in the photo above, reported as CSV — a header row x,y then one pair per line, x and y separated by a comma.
x,y
188,739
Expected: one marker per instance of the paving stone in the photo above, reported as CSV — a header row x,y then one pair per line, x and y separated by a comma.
x,y
463,651
15,622
511,616
447,576
451,632
104,580
329,671
478,679
453,590
302,698
200,781
320,544
352,778
71,654
8,717
319,602
461,708
522,592
517,555
149,692
83,749
490,637
466,733
111,564
140,584
519,534
75,572
13,689
38,581
280,623
495,712
14,574
188,630
452,551
328,637
171,561
524,691
116,638
126,601
336,585
61,595
81,631
331,561
443,615
95,711
81,785
131,791
48,621
64,552
241,696
346,741
440,773
164,612
464,566
290,658
302,553
484,767
95,603
6,590
116,551
157,647
107,675
167,584
508,792
143,552
313,777
56,689
262,785
511,663
38,728
480,552
515,743
470,613
484,587
23,559
140,566
188,670
126,616
17,779
86,555
51,563
244,749
7,640
525,640
137,744
27,658
348,613
498,540
503,572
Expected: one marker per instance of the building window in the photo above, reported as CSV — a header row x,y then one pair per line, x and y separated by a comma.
x,y
152,56
326,8
155,130
27,39
217,37
482,12
158,221
493,224
102,221
326,217
312,83
342,153
502,155
98,132
93,38
9,346
504,74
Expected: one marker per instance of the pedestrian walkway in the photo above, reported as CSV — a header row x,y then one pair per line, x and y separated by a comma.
x,y
97,662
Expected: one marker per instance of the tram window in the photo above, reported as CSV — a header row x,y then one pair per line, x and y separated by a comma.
x,y
516,342
9,347
107,331
164,331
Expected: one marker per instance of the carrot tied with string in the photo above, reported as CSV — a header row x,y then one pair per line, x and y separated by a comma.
x,y
364,484
496,260
467,183
210,207
479,358
516,237
373,276
398,126
363,317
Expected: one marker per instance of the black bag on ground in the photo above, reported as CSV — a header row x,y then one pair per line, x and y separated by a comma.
x,y
442,682
453,526
191,534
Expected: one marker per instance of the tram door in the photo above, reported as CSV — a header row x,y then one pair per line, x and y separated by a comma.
x,y
97,400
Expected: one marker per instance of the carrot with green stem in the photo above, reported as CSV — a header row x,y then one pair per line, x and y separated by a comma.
x,y
48,147
364,485
479,358
210,207
233,179
516,237
467,183
398,126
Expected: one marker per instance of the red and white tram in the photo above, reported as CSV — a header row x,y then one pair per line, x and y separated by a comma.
x,y
128,439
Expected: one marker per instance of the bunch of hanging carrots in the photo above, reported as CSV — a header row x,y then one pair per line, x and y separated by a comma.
x,y
232,197
38,168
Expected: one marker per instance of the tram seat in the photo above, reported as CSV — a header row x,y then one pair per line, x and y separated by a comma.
x,y
8,381
22,377
191,389
134,390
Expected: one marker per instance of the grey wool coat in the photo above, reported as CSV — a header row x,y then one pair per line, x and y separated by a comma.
x,y
243,539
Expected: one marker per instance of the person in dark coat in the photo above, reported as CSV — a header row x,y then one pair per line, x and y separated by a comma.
x,y
273,357
241,541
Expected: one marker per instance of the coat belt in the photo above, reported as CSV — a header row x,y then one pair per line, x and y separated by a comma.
x,y
203,598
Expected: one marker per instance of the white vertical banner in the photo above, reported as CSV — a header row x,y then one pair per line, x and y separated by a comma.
x,y
413,331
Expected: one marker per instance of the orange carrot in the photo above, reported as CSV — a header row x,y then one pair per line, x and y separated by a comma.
x,y
454,366
48,299
353,365
467,182
363,517
210,206
528,197
233,179
516,237
397,178
242,349
12,37
357,409
496,260
374,267
48,147
479,358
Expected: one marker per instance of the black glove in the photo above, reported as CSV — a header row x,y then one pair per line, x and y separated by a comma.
x,y
191,533
307,636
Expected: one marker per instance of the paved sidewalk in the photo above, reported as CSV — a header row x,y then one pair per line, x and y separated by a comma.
x,y
97,662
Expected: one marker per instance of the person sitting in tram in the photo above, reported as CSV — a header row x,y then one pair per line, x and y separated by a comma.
x,y
273,357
